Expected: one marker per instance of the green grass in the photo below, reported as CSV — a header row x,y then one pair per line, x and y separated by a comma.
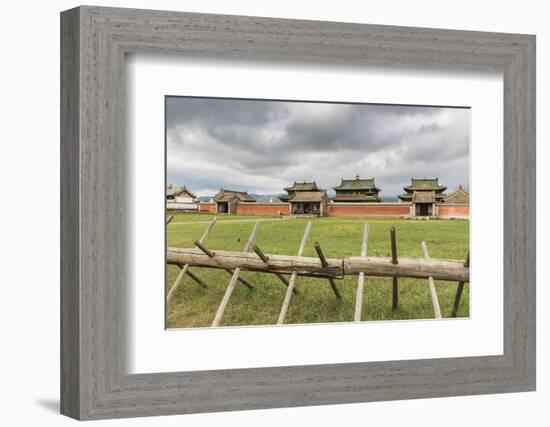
x,y
194,306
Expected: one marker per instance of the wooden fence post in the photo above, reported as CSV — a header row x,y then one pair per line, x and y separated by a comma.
x,y
431,285
395,289
211,254
221,309
361,280
265,259
324,263
197,279
293,276
185,268
459,289
241,280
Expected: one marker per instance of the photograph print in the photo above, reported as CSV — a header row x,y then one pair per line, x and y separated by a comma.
x,y
283,212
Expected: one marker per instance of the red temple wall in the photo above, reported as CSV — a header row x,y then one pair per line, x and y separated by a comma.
x,y
207,207
262,209
344,209
454,211
371,209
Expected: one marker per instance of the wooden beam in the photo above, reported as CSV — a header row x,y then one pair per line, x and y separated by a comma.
x,y
241,279
221,309
292,281
265,259
324,263
439,269
212,254
203,248
395,288
185,268
197,279
361,279
431,285
459,289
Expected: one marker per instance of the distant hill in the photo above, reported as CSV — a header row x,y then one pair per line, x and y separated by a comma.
x,y
204,199
267,198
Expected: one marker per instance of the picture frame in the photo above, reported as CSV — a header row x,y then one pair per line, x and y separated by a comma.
x,y
94,381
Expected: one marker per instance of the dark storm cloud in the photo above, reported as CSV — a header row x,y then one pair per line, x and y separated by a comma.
x,y
262,146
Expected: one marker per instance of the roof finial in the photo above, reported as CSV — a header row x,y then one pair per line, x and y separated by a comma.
x,y
357,177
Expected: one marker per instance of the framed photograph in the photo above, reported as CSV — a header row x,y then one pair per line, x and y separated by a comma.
x,y
231,160
262,213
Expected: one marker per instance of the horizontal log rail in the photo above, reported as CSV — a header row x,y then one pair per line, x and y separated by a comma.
x,y
335,268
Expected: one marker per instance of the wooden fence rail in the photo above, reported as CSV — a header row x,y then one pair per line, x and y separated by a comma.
x,y
423,268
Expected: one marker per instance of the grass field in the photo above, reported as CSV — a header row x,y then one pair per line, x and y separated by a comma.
x,y
194,306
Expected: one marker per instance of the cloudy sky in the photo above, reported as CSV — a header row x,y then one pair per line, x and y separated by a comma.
x,y
264,146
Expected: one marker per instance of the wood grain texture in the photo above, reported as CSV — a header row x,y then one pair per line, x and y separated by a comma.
x,y
94,240
70,257
331,267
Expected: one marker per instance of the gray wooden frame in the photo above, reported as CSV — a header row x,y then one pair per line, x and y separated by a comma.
x,y
94,382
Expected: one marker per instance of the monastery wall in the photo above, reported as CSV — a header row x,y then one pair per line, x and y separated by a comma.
x,y
262,209
369,209
454,211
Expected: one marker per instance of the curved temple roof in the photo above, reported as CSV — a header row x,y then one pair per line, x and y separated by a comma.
x,y
303,186
357,184
227,195
425,184
308,196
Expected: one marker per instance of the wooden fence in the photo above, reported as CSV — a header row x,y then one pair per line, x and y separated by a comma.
x,y
288,268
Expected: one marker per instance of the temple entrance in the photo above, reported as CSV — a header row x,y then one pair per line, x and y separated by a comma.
x,y
306,208
223,207
423,209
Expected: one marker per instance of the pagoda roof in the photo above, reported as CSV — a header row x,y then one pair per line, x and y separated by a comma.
x,y
303,186
424,197
425,184
225,195
308,196
357,184
355,198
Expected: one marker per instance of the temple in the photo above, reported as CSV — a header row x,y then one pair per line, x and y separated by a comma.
x,y
297,187
305,198
357,190
228,200
424,194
